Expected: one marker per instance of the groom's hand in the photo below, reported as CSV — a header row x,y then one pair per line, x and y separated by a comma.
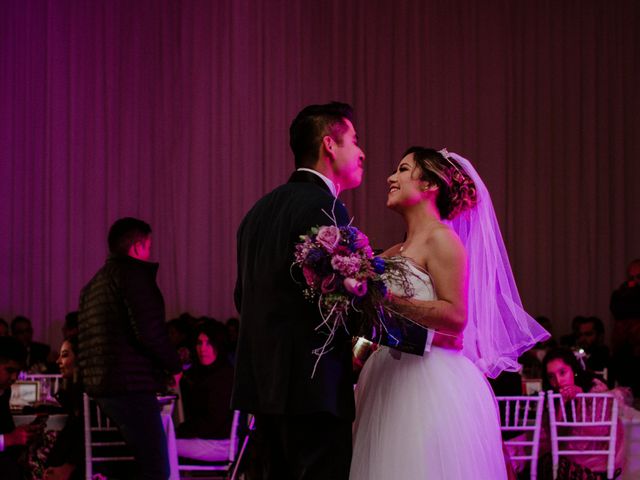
x,y
451,342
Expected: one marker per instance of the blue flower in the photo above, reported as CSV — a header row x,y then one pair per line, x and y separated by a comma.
x,y
349,236
315,256
379,265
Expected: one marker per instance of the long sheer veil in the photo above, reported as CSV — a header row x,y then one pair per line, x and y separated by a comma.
x,y
498,329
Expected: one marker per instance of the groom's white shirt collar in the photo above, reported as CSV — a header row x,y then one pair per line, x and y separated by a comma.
x,y
330,184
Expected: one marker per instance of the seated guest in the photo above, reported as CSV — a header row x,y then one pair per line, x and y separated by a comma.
x,y
12,438
70,327
590,337
180,336
37,353
65,460
571,339
563,374
206,393
531,360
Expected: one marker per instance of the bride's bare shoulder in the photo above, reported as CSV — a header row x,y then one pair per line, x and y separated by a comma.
x,y
441,233
391,251
443,240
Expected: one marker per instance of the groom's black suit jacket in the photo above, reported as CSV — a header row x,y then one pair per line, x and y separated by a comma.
x,y
277,324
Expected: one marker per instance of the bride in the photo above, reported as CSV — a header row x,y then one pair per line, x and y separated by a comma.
x,y
435,417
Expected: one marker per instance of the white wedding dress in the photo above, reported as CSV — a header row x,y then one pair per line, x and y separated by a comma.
x,y
432,417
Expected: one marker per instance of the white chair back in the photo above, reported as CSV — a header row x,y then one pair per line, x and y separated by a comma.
x,y
590,417
523,415
95,421
217,466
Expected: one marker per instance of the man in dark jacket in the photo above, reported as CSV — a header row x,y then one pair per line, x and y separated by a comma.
x,y
303,423
124,351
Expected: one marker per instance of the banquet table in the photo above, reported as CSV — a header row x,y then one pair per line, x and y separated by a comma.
x,y
56,422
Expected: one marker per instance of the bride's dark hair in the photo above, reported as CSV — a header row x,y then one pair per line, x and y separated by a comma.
x,y
456,190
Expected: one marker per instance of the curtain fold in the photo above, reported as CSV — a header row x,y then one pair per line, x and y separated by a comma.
x,y
178,113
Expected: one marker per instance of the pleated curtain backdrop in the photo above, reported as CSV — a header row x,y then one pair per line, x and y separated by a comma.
x,y
177,112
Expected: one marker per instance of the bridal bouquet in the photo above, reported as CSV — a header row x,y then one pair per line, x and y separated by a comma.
x,y
342,275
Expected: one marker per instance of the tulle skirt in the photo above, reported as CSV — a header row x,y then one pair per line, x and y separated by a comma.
x,y
432,417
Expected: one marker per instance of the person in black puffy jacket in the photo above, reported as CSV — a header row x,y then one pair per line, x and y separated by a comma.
x,y
124,353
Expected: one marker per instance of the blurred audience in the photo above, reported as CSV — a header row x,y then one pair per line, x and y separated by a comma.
x,y
590,338
570,340
38,354
625,307
12,439
4,328
70,326
531,360
180,335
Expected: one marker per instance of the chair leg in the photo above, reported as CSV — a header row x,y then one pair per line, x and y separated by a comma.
x,y
533,467
236,467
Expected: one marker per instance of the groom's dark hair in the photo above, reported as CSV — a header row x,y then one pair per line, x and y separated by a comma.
x,y
312,124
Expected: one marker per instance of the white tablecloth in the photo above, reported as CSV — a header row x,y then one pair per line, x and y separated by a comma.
x,y
170,433
54,422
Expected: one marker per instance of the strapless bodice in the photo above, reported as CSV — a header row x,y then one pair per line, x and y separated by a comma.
x,y
419,279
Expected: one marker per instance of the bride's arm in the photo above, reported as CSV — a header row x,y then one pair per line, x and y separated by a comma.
x,y
446,260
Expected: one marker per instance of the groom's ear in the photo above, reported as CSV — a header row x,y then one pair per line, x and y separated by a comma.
x,y
329,145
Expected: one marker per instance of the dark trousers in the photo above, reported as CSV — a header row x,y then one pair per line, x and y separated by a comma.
x,y
137,415
9,469
304,447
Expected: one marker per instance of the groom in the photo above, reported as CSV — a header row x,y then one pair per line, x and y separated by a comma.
x,y
303,424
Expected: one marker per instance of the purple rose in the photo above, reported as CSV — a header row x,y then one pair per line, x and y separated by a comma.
x,y
358,288
361,240
328,237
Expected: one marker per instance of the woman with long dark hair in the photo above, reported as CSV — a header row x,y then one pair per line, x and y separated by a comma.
x,y
564,374
206,394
